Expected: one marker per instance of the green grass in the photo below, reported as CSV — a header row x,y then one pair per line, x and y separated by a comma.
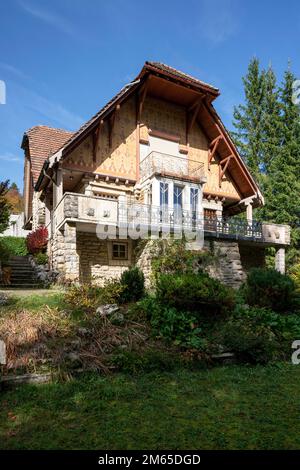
x,y
233,407
36,301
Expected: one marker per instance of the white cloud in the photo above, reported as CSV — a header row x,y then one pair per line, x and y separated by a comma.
x,y
10,157
53,111
219,20
14,70
53,19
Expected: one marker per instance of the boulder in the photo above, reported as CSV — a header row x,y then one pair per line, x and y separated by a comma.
x,y
108,309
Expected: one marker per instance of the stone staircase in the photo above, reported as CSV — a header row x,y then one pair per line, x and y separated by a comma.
x,y
23,275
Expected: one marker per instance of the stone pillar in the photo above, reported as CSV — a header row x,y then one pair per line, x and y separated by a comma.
x,y
249,212
280,260
58,188
71,255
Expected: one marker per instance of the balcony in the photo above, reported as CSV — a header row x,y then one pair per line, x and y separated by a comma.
x,y
162,164
86,209
160,219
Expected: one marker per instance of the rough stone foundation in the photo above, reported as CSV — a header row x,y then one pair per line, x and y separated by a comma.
x,y
230,260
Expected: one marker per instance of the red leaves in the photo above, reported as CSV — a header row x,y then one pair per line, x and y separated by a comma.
x,y
36,241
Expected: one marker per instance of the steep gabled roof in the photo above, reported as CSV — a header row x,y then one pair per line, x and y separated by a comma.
x,y
159,66
42,142
176,85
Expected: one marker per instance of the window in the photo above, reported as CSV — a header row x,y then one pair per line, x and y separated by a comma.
x,y
163,194
210,219
119,251
177,200
194,196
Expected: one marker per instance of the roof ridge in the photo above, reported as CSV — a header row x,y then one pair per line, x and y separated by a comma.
x,y
177,71
43,126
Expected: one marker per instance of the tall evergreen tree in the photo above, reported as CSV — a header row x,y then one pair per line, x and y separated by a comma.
x,y
271,122
248,119
282,193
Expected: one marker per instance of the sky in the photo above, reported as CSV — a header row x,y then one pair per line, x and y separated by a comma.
x,y
62,60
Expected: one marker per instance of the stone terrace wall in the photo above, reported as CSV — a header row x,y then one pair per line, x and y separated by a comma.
x,y
230,261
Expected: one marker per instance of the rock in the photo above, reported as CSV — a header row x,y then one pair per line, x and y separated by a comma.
x,y
107,309
3,299
117,318
83,331
74,357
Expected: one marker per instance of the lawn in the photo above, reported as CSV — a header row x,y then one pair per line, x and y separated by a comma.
x,y
232,407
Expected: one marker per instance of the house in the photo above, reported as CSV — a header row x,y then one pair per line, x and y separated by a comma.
x,y
15,228
155,158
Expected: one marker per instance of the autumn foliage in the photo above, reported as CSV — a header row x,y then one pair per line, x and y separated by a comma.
x,y
37,240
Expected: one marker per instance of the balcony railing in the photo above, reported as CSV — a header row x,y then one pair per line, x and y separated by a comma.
x,y
163,164
97,210
83,208
157,218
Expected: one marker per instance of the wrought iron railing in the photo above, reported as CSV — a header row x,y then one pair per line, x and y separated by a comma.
x,y
155,216
170,165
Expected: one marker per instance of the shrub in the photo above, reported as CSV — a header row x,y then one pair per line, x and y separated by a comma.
x,y
41,258
271,289
133,283
195,292
87,297
14,246
252,342
37,240
286,327
174,258
295,275
179,327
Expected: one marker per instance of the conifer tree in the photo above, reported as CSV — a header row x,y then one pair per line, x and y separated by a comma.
x,y
248,119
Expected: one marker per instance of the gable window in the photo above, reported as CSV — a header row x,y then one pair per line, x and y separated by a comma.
x,y
120,251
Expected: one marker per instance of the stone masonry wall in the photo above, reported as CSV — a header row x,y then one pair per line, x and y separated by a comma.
x,y
230,261
95,262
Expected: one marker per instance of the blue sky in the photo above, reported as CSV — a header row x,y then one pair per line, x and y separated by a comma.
x,y
61,60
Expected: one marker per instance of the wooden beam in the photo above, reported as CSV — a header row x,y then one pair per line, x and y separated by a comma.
x,y
212,149
141,96
111,124
191,118
223,170
96,136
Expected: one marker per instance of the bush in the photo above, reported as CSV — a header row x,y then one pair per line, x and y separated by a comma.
x,y
13,246
41,258
286,327
295,275
174,258
179,327
87,297
250,341
36,241
270,289
133,283
195,292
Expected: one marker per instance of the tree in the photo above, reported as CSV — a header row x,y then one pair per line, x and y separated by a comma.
x,y
283,188
15,199
4,206
248,119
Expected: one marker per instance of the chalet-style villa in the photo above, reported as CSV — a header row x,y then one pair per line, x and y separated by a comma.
x,y
157,154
